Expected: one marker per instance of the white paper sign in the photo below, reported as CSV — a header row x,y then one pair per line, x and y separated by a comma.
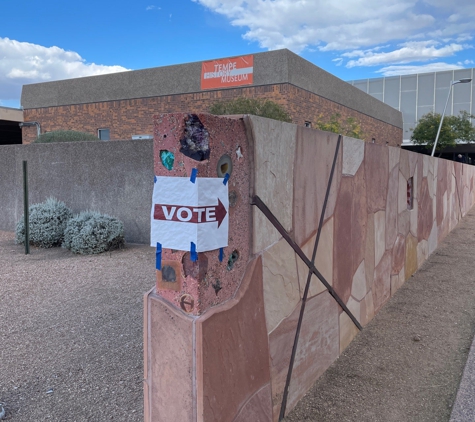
x,y
185,212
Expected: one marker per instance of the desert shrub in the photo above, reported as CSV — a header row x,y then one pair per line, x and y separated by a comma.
x,y
65,136
255,106
47,221
90,232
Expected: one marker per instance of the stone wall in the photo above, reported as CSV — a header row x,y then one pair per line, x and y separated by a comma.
x,y
387,210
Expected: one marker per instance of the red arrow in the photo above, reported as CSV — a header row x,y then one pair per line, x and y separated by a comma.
x,y
187,214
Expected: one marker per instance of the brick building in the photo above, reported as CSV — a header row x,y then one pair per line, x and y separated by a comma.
x,y
10,119
120,106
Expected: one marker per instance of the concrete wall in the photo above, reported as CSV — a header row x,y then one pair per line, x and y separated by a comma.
x,y
112,178
227,358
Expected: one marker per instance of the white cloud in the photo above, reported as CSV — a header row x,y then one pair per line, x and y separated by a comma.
x,y
349,25
152,7
24,63
406,70
296,24
409,52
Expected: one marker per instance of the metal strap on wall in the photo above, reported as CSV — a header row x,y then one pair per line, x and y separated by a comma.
x,y
312,270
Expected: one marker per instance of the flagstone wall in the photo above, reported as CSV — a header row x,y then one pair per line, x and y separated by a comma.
x,y
386,212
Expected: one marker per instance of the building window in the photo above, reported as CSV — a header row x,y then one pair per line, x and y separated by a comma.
x,y
103,134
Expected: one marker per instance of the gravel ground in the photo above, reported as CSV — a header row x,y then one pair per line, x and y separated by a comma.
x,y
407,363
71,339
71,333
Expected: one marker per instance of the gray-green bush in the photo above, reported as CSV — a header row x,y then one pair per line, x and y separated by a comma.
x,y
90,232
47,222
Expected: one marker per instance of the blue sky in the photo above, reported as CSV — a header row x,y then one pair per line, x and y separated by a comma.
x,y
353,39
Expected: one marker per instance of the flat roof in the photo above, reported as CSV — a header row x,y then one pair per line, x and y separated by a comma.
x,y
11,114
272,67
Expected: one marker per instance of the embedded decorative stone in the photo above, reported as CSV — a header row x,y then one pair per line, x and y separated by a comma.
x,y
168,158
196,269
169,277
195,140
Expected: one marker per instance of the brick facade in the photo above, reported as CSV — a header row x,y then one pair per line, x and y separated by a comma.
x,y
130,117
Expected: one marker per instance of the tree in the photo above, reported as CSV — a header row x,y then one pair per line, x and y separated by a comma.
x,y
255,106
454,128
348,127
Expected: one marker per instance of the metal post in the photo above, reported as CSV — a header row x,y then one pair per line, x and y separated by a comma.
x,y
461,81
26,208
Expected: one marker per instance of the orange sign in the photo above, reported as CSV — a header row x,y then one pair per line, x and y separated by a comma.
x,y
227,72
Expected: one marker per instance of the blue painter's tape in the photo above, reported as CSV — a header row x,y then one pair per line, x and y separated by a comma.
x,y
193,254
221,254
194,172
226,178
158,257
154,179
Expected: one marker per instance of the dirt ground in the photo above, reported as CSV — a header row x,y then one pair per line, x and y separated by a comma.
x,y
71,339
71,333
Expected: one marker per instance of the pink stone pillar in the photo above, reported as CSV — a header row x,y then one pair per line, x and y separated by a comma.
x,y
205,338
